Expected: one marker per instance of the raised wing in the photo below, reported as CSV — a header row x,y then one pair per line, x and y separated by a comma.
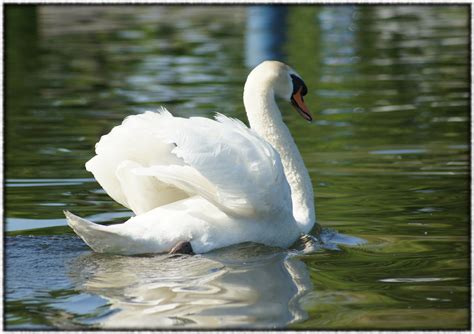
x,y
128,146
225,162
153,159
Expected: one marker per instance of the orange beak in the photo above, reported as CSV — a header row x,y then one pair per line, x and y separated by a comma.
x,y
298,102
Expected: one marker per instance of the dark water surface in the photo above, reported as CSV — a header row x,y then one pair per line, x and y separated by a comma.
x,y
388,154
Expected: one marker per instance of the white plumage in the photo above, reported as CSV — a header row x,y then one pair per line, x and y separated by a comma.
x,y
210,182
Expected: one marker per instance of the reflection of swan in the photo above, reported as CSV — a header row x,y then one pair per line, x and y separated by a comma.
x,y
232,287
213,183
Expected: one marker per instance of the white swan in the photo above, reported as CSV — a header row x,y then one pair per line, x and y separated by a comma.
x,y
208,183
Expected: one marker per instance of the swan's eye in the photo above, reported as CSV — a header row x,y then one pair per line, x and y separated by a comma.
x,y
297,84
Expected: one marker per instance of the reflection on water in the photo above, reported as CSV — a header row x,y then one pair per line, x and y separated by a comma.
x,y
247,285
265,34
236,287
388,154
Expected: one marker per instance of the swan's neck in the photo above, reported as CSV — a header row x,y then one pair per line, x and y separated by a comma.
x,y
265,118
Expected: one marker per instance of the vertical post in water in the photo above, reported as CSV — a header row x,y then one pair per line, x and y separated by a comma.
x,y
265,34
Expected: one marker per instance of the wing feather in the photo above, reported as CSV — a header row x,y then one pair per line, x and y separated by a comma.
x,y
245,169
221,160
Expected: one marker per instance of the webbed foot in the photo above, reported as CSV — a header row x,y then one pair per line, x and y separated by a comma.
x,y
307,243
182,247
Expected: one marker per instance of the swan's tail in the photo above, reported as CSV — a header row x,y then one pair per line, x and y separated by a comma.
x,y
101,239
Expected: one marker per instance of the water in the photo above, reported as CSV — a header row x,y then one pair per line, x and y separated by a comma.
x,y
388,155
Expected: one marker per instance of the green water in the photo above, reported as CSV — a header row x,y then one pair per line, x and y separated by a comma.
x,y
388,154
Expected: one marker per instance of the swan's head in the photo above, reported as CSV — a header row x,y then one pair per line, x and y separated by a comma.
x,y
286,83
